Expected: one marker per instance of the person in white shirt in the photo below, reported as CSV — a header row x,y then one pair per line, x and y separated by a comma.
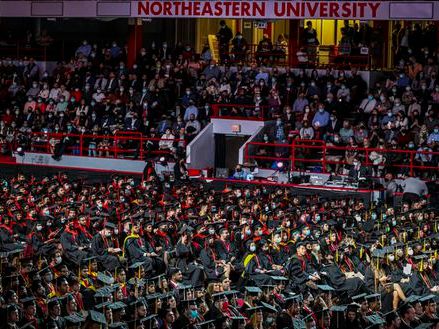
x,y
167,140
55,92
368,104
98,96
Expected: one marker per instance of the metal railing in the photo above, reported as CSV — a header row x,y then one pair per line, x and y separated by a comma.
x,y
131,145
300,154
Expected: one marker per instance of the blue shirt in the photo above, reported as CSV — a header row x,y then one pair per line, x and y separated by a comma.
x,y
433,137
321,118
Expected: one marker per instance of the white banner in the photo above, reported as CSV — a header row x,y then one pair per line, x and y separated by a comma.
x,y
247,9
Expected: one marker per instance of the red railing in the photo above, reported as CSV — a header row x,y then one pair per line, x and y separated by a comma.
x,y
318,56
121,145
302,153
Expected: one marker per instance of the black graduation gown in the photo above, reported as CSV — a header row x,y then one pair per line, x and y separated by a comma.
x,y
251,270
298,273
38,247
99,249
192,273
339,281
182,322
135,253
71,248
207,259
58,323
6,241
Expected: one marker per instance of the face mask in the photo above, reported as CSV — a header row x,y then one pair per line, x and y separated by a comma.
x,y
436,130
108,235
410,252
358,218
266,138
39,228
390,114
374,216
370,98
277,240
46,212
252,248
307,232
193,314
58,260
321,110
391,258
49,277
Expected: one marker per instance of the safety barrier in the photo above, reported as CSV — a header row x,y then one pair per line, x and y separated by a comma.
x,y
319,156
120,145
307,56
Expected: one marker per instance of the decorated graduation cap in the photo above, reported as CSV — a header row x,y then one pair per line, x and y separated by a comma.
x,y
96,317
254,291
104,278
375,320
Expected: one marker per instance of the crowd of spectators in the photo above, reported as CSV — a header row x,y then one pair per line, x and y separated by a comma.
x,y
167,95
128,254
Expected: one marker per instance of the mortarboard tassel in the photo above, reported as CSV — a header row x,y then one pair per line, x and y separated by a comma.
x,y
336,255
421,267
361,252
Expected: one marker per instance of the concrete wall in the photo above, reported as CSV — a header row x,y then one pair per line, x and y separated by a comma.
x,y
200,153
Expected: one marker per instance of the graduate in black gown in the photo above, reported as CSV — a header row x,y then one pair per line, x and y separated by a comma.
x,y
337,279
300,273
186,259
134,249
102,247
72,249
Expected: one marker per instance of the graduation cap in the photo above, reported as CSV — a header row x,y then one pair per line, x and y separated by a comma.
x,y
28,301
74,319
338,308
103,292
253,290
118,325
270,308
278,279
105,279
429,299
424,326
325,287
252,310
149,321
188,301
103,305
293,299
412,299
359,298
96,317
205,324
117,306
375,320
373,297
218,296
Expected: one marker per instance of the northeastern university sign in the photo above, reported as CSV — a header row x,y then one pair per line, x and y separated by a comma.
x,y
247,9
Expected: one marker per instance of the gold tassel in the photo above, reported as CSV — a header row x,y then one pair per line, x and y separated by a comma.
x,y
435,254
336,255
361,252
421,268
